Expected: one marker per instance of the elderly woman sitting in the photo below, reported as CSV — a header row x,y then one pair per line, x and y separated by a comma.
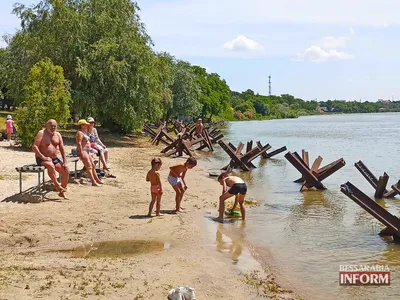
x,y
83,149
97,144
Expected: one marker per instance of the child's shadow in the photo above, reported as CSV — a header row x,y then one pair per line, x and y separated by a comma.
x,y
139,217
225,220
168,212
163,212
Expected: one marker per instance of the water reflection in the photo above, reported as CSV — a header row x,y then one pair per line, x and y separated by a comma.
x,y
391,256
317,204
233,245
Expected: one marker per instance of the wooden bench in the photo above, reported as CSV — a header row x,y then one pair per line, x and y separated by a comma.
x,y
31,169
74,159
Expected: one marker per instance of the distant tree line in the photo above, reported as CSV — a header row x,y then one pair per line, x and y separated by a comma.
x,y
338,106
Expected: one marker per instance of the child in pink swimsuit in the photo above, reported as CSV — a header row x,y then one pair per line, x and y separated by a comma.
x,y
9,127
156,188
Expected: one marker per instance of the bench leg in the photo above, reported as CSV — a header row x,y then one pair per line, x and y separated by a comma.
x,y
39,177
20,182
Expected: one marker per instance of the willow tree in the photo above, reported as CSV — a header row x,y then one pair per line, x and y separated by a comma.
x,y
105,53
185,91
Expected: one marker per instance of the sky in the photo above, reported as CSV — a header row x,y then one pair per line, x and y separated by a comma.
x,y
312,49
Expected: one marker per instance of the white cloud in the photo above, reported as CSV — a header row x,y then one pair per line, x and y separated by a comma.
x,y
385,25
242,43
208,70
352,31
317,54
332,42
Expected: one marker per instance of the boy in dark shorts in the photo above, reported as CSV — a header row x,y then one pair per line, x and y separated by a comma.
x,y
237,188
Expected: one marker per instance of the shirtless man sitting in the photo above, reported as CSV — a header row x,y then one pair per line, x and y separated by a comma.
x,y
237,188
45,147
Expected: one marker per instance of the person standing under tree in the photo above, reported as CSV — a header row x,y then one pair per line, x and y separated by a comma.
x,y
199,128
9,127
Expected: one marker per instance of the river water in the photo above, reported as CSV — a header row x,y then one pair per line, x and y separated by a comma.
x,y
310,234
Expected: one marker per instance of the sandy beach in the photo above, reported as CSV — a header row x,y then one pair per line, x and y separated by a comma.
x,y
182,249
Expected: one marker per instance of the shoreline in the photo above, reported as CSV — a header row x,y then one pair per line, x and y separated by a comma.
x,y
114,212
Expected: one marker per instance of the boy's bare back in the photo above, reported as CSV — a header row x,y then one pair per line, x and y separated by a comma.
x,y
154,177
177,170
231,180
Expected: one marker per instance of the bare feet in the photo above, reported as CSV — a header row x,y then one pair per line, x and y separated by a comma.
x,y
95,184
180,210
62,195
220,220
60,189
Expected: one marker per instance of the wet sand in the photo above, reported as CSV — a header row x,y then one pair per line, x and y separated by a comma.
x,y
196,251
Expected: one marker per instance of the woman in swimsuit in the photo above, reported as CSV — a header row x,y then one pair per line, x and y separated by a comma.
x,y
83,147
97,144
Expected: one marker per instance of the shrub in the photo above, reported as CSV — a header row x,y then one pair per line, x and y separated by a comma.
x,y
239,115
46,96
249,114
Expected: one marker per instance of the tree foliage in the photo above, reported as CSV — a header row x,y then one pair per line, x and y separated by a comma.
x,y
46,96
215,92
105,53
185,91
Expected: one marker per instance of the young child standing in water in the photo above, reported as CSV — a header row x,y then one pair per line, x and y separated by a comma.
x,y
156,188
176,178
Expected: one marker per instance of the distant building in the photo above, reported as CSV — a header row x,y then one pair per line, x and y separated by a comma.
x,y
325,109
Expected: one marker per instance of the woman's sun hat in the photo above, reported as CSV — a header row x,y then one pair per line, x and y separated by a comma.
x,y
82,122
90,120
9,117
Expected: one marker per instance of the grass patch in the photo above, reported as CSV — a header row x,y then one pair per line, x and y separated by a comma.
x,y
247,203
12,177
266,286
251,203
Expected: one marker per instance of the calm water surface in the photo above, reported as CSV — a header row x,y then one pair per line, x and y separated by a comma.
x,y
311,233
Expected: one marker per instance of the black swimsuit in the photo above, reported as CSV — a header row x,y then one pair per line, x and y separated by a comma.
x,y
238,188
54,160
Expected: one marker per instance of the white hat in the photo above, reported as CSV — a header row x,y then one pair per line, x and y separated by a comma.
x,y
9,117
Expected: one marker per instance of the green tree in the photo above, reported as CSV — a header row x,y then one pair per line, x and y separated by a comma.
x,y
244,106
261,108
185,91
215,93
3,72
105,53
46,96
